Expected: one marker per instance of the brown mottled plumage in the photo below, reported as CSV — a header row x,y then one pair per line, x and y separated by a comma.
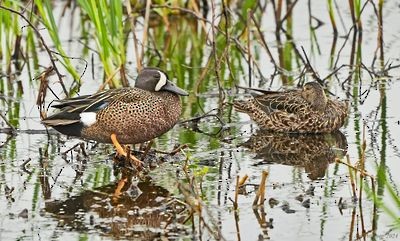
x,y
134,115
307,110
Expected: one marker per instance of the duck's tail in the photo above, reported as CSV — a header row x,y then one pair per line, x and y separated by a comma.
x,y
67,123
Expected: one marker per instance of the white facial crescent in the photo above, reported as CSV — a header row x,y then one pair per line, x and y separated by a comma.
x,y
161,82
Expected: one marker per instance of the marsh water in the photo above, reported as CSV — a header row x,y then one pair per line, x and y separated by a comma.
x,y
57,188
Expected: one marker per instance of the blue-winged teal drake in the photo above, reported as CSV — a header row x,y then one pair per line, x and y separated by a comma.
x,y
305,110
125,115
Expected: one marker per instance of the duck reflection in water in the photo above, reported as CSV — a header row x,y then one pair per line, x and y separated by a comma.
x,y
314,152
144,212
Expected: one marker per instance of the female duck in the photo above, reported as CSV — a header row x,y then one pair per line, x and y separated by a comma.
x,y
307,110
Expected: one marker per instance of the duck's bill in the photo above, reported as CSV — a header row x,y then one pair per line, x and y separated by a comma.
x,y
169,86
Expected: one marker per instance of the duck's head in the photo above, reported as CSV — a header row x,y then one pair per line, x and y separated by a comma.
x,y
314,94
154,80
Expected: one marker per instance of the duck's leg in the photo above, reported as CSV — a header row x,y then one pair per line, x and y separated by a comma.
x,y
122,152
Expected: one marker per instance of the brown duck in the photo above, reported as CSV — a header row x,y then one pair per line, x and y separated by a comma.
x,y
126,115
305,110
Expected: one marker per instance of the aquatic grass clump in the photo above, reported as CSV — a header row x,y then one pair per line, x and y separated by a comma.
x,y
391,206
10,32
106,18
47,19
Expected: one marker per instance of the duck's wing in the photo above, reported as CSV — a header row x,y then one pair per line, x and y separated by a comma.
x,y
76,101
88,103
71,108
258,91
288,101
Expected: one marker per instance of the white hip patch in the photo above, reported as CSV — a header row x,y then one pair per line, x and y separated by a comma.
x,y
88,118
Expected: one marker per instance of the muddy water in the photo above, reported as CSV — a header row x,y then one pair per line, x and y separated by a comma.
x,y
50,193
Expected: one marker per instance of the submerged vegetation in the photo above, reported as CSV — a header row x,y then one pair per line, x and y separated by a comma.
x,y
57,49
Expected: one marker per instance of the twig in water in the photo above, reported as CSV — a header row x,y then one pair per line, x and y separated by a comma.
x,y
347,36
9,137
197,205
207,114
23,166
215,54
174,151
108,80
308,64
147,149
74,58
351,176
364,173
239,184
263,41
260,195
44,85
13,130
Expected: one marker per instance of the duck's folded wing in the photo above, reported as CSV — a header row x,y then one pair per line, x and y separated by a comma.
x,y
70,109
90,103
75,101
289,101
